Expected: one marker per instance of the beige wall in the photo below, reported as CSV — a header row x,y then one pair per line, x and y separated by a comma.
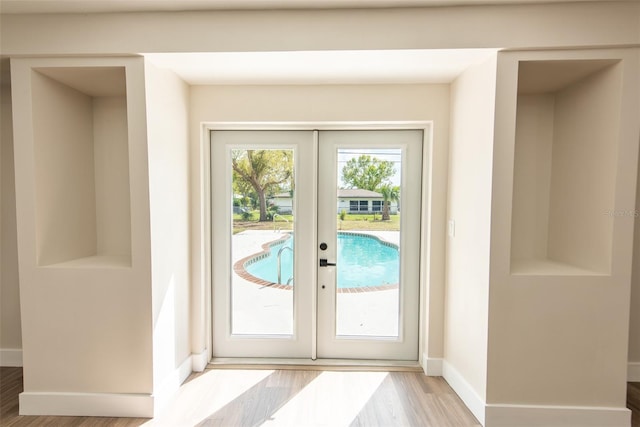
x,y
469,205
634,332
587,120
578,24
335,103
532,177
85,326
564,333
168,138
65,183
111,176
10,332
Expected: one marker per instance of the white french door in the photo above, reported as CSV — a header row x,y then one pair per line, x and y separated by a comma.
x,y
305,263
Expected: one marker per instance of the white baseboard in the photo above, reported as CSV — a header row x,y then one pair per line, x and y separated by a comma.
x,y
633,372
557,416
464,390
170,385
199,361
106,404
432,367
10,357
86,404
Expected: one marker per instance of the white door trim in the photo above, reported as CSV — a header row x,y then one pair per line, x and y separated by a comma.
x,y
202,330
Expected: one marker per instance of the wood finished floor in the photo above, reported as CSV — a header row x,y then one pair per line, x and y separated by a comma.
x,y
281,397
633,403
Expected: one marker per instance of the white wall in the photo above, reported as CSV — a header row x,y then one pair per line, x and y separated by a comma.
x,y
469,205
168,138
333,103
10,332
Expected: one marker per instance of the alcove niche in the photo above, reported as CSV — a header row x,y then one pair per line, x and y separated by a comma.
x,y
566,156
81,158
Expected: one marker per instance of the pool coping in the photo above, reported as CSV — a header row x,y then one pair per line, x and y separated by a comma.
x,y
239,266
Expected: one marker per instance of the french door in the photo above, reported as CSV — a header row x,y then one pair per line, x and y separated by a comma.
x,y
316,243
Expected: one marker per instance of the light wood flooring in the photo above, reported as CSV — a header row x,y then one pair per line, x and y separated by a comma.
x,y
633,403
288,397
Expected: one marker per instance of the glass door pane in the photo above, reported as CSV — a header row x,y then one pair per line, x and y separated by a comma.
x,y
262,283
367,242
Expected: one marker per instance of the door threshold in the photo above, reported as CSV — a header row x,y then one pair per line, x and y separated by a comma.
x,y
314,365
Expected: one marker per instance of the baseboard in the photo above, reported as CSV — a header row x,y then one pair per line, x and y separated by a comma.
x,y
10,357
86,404
171,384
432,366
200,361
557,416
633,372
106,404
464,390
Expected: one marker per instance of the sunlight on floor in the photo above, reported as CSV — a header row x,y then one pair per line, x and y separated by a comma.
x,y
332,399
205,395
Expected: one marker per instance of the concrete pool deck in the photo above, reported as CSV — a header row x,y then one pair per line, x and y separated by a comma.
x,y
260,309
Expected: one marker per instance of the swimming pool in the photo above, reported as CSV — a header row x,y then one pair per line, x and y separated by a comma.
x,y
364,261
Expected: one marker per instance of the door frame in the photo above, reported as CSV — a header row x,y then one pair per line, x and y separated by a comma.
x,y
203,297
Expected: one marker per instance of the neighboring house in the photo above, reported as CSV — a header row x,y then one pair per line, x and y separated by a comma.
x,y
284,202
352,200
355,200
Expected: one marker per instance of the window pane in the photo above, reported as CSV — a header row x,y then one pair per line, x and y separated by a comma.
x,y
262,242
368,259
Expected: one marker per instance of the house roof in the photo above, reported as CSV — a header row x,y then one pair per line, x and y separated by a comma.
x,y
285,195
344,193
357,193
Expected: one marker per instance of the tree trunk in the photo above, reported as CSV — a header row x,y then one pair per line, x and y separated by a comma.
x,y
385,211
262,201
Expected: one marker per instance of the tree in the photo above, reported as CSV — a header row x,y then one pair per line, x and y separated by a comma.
x,y
367,173
246,190
389,194
264,170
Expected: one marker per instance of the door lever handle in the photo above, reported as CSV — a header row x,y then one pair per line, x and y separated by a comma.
x,y
324,263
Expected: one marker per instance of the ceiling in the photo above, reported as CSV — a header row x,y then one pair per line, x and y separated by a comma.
x,y
321,67
101,6
431,66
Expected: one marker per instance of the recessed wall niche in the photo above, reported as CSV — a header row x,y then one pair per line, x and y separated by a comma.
x,y
81,157
566,154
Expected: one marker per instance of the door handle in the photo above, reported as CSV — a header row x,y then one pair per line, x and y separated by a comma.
x,y
324,263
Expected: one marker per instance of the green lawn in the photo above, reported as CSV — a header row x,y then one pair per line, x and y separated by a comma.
x,y
351,222
364,222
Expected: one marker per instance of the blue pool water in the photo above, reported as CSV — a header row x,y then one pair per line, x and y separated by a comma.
x,y
362,261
